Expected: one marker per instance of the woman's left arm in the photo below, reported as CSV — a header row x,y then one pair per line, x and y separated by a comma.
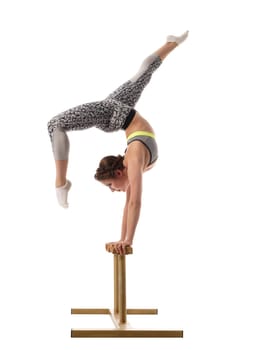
x,y
132,208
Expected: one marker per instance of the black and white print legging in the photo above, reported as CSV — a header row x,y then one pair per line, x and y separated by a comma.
x,y
108,115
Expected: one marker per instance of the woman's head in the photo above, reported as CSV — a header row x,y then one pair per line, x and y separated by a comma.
x,y
112,173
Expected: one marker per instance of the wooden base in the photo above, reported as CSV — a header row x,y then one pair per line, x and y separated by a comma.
x,y
121,330
125,333
119,314
109,312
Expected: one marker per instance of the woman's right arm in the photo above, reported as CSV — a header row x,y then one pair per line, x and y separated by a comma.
x,y
125,214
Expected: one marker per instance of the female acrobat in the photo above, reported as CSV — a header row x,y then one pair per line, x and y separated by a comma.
x,y
115,112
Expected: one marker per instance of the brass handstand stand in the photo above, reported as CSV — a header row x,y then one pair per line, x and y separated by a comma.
x,y
119,314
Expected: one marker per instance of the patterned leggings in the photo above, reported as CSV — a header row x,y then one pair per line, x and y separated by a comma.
x,y
108,115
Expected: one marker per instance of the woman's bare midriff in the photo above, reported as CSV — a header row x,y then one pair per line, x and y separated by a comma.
x,y
138,124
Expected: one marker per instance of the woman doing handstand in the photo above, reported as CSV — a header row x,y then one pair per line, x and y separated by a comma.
x,y
115,112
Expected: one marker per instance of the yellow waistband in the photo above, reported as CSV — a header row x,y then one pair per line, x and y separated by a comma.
x,y
140,133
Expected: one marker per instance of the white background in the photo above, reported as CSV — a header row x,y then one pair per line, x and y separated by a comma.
x,y
202,250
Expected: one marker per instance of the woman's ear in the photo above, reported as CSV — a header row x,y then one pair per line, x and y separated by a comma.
x,y
119,172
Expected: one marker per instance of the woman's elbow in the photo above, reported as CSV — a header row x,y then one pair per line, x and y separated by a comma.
x,y
135,204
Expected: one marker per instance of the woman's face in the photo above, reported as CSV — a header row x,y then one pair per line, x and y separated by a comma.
x,y
119,183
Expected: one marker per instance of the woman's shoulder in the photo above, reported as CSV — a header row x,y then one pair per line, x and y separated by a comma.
x,y
136,156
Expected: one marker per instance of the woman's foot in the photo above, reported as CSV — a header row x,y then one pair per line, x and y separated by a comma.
x,y
177,39
62,193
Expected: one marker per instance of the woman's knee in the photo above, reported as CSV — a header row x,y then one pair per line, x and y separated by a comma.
x,y
145,65
60,144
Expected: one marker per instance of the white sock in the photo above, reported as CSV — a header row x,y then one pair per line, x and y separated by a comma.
x,y
177,39
62,193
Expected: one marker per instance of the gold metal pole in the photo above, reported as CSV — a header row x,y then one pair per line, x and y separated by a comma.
x,y
122,288
116,285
